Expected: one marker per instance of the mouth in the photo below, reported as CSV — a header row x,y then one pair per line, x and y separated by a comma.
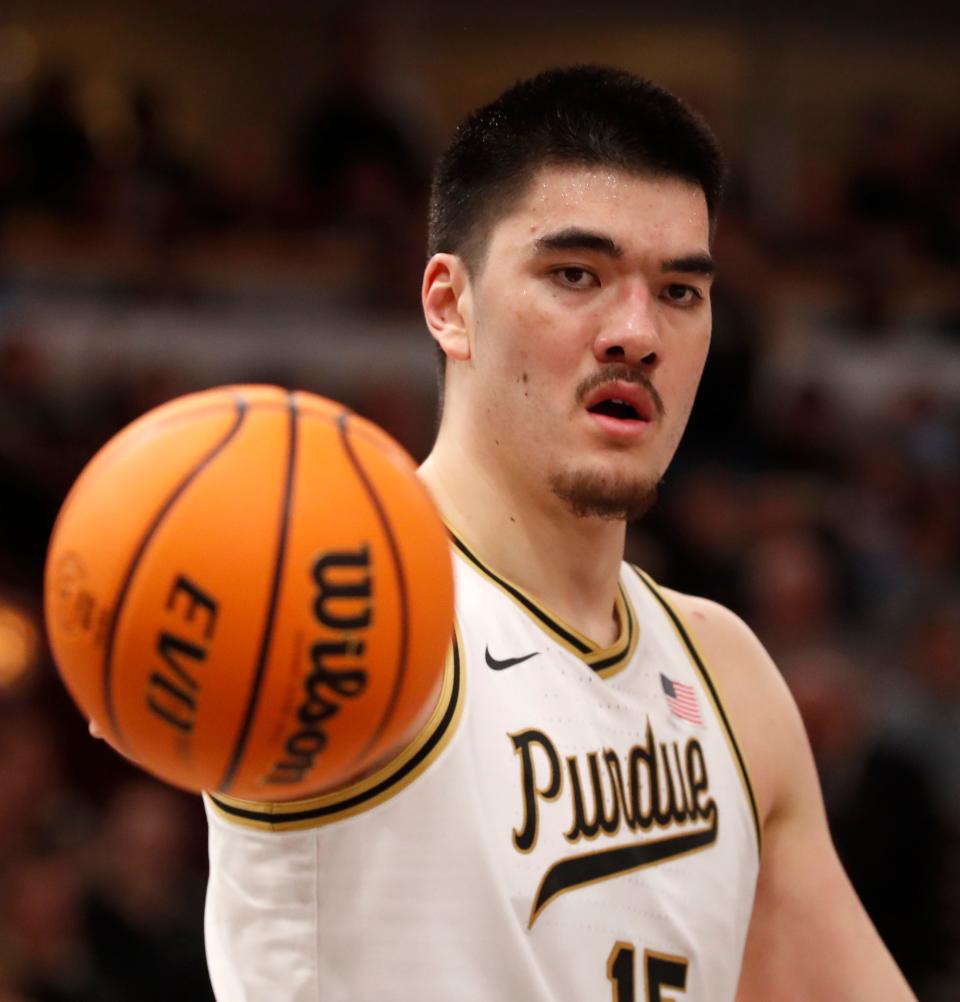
x,y
621,401
622,411
616,408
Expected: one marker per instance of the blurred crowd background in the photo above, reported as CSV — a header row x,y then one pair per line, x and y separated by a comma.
x,y
194,193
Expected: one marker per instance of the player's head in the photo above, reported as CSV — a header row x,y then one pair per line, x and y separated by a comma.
x,y
568,283
588,116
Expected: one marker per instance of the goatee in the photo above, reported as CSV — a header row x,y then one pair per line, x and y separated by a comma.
x,y
589,494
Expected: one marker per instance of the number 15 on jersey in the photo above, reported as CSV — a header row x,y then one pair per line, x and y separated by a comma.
x,y
659,970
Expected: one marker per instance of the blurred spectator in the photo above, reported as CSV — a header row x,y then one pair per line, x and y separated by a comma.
x,y
31,459
356,168
800,433
944,222
869,515
48,155
889,187
31,781
48,952
924,714
145,907
355,159
883,815
152,186
794,595
706,527
722,423
836,368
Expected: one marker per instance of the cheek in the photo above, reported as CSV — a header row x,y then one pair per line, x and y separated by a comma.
x,y
688,380
525,354
534,351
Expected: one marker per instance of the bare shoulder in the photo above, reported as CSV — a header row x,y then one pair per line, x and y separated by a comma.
x,y
799,870
761,710
717,629
714,623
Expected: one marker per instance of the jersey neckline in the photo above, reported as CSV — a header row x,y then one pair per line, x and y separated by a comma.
x,y
605,661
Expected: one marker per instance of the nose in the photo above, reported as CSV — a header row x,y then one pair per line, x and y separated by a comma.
x,y
629,332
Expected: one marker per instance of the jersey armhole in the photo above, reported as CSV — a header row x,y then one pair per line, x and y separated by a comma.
x,y
379,786
685,636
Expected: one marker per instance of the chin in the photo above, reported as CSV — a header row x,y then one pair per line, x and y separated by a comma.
x,y
601,494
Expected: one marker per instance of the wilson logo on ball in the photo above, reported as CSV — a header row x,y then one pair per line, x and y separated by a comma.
x,y
343,606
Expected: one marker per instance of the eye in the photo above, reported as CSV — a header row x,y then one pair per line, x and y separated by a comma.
x,y
682,295
573,277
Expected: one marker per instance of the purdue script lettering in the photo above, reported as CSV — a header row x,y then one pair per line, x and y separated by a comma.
x,y
654,786
342,606
172,689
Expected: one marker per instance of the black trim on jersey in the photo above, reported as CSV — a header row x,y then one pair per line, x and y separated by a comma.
x,y
708,681
240,407
614,659
605,661
530,606
281,818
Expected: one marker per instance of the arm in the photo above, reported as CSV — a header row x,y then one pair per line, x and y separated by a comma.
x,y
809,937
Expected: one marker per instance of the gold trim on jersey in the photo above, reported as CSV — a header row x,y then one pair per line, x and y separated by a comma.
x,y
605,661
373,789
685,635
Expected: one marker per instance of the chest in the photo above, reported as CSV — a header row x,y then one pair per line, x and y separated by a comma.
x,y
585,775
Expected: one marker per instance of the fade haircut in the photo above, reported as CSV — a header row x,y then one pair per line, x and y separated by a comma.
x,y
586,116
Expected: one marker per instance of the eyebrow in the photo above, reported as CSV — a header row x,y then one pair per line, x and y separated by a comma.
x,y
574,238
691,264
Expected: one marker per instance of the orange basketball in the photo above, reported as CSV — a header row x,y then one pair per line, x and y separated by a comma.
x,y
249,591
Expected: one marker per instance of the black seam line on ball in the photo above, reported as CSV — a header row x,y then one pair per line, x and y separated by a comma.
x,y
241,408
402,656
231,771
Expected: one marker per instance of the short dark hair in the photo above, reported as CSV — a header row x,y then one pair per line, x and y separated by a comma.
x,y
578,115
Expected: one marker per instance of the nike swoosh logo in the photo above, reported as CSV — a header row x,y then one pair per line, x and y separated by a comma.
x,y
498,665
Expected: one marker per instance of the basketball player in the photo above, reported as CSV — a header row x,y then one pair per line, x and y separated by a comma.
x,y
615,797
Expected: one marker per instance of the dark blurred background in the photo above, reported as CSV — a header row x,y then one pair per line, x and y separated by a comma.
x,y
194,193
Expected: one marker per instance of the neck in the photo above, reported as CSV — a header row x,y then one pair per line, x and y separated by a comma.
x,y
568,563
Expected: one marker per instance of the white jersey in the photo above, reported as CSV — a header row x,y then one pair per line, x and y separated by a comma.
x,y
575,823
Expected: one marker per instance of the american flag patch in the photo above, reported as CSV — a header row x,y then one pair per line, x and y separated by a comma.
x,y
681,699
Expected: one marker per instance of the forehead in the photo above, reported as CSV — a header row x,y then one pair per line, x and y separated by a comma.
x,y
636,211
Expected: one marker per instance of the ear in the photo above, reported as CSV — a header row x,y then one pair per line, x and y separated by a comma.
x,y
448,305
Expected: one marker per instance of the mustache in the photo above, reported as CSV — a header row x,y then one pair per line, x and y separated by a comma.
x,y
619,372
